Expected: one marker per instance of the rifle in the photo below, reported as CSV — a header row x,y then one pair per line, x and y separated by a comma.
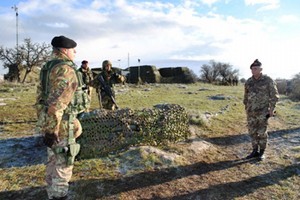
x,y
107,90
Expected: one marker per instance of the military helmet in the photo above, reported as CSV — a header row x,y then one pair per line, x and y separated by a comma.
x,y
106,62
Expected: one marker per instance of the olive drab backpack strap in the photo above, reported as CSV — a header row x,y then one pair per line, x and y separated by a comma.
x,y
43,92
71,119
73,147
80,101
45,74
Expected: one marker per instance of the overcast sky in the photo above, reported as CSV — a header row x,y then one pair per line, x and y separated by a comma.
x,y
165,33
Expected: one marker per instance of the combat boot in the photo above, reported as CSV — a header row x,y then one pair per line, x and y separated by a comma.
x,y
253,154
261,155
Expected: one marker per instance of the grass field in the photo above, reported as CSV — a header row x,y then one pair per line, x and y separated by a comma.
x,y
216,114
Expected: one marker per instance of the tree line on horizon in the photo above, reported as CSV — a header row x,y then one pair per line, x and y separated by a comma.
x,y
30,56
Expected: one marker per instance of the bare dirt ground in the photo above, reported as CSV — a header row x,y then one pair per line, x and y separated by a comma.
x,y
217,172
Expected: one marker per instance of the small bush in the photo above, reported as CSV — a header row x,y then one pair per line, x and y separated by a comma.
x,y
282,86
295,88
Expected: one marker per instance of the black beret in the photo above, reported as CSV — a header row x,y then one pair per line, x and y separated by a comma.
x,y
256,63
84,62
63,42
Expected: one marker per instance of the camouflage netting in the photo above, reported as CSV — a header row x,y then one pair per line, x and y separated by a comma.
x,y
177,75
110,131
172,71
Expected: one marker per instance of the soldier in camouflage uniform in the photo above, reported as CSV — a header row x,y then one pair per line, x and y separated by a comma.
x,y
60,98
87,76
110,78
260,98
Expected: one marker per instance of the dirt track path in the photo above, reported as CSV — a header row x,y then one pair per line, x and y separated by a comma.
x,y
227,176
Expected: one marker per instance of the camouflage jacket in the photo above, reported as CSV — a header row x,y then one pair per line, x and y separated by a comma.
x,y
62,88
110,78
87,75
260,94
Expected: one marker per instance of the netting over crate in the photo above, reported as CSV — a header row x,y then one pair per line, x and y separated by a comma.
x,y
107,131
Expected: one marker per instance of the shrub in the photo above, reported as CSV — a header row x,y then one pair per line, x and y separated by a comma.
x,y
295,88
282,86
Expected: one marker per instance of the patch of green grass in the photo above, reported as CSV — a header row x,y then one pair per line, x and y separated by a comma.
x,y
94,169
18,115
18,178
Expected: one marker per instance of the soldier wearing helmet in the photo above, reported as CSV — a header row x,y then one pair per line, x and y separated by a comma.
x,y
110,78
106,65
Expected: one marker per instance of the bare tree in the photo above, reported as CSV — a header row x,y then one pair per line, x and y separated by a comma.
x,y
30,55
227,74
11,61
210,72
205,73
218,71
33,55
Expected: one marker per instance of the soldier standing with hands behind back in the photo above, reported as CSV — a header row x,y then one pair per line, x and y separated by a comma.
x,y
260,99
60,98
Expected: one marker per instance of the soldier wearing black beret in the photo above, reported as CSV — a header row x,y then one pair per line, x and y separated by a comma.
x,y
63,42
60,99
256,63
260,99
87,77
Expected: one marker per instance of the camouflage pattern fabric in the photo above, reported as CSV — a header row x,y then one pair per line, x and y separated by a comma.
x,y
107,102
110,79
257,127
260,96
58,174
53,118
87,77
106,131
63,84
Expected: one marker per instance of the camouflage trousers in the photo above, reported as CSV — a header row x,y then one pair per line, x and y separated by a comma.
x,y
107,103
58,174
257,128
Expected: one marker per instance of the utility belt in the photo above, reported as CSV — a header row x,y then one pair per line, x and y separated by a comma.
x,y
70,152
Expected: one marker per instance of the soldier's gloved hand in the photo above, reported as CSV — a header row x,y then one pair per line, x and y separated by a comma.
x,y
50,139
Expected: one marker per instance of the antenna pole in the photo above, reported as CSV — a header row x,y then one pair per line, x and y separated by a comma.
x,y
17,32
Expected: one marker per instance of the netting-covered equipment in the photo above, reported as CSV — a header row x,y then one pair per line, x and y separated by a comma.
x,y
106,131
146,73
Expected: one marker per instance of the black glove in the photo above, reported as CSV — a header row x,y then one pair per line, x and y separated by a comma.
x,y
50,139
